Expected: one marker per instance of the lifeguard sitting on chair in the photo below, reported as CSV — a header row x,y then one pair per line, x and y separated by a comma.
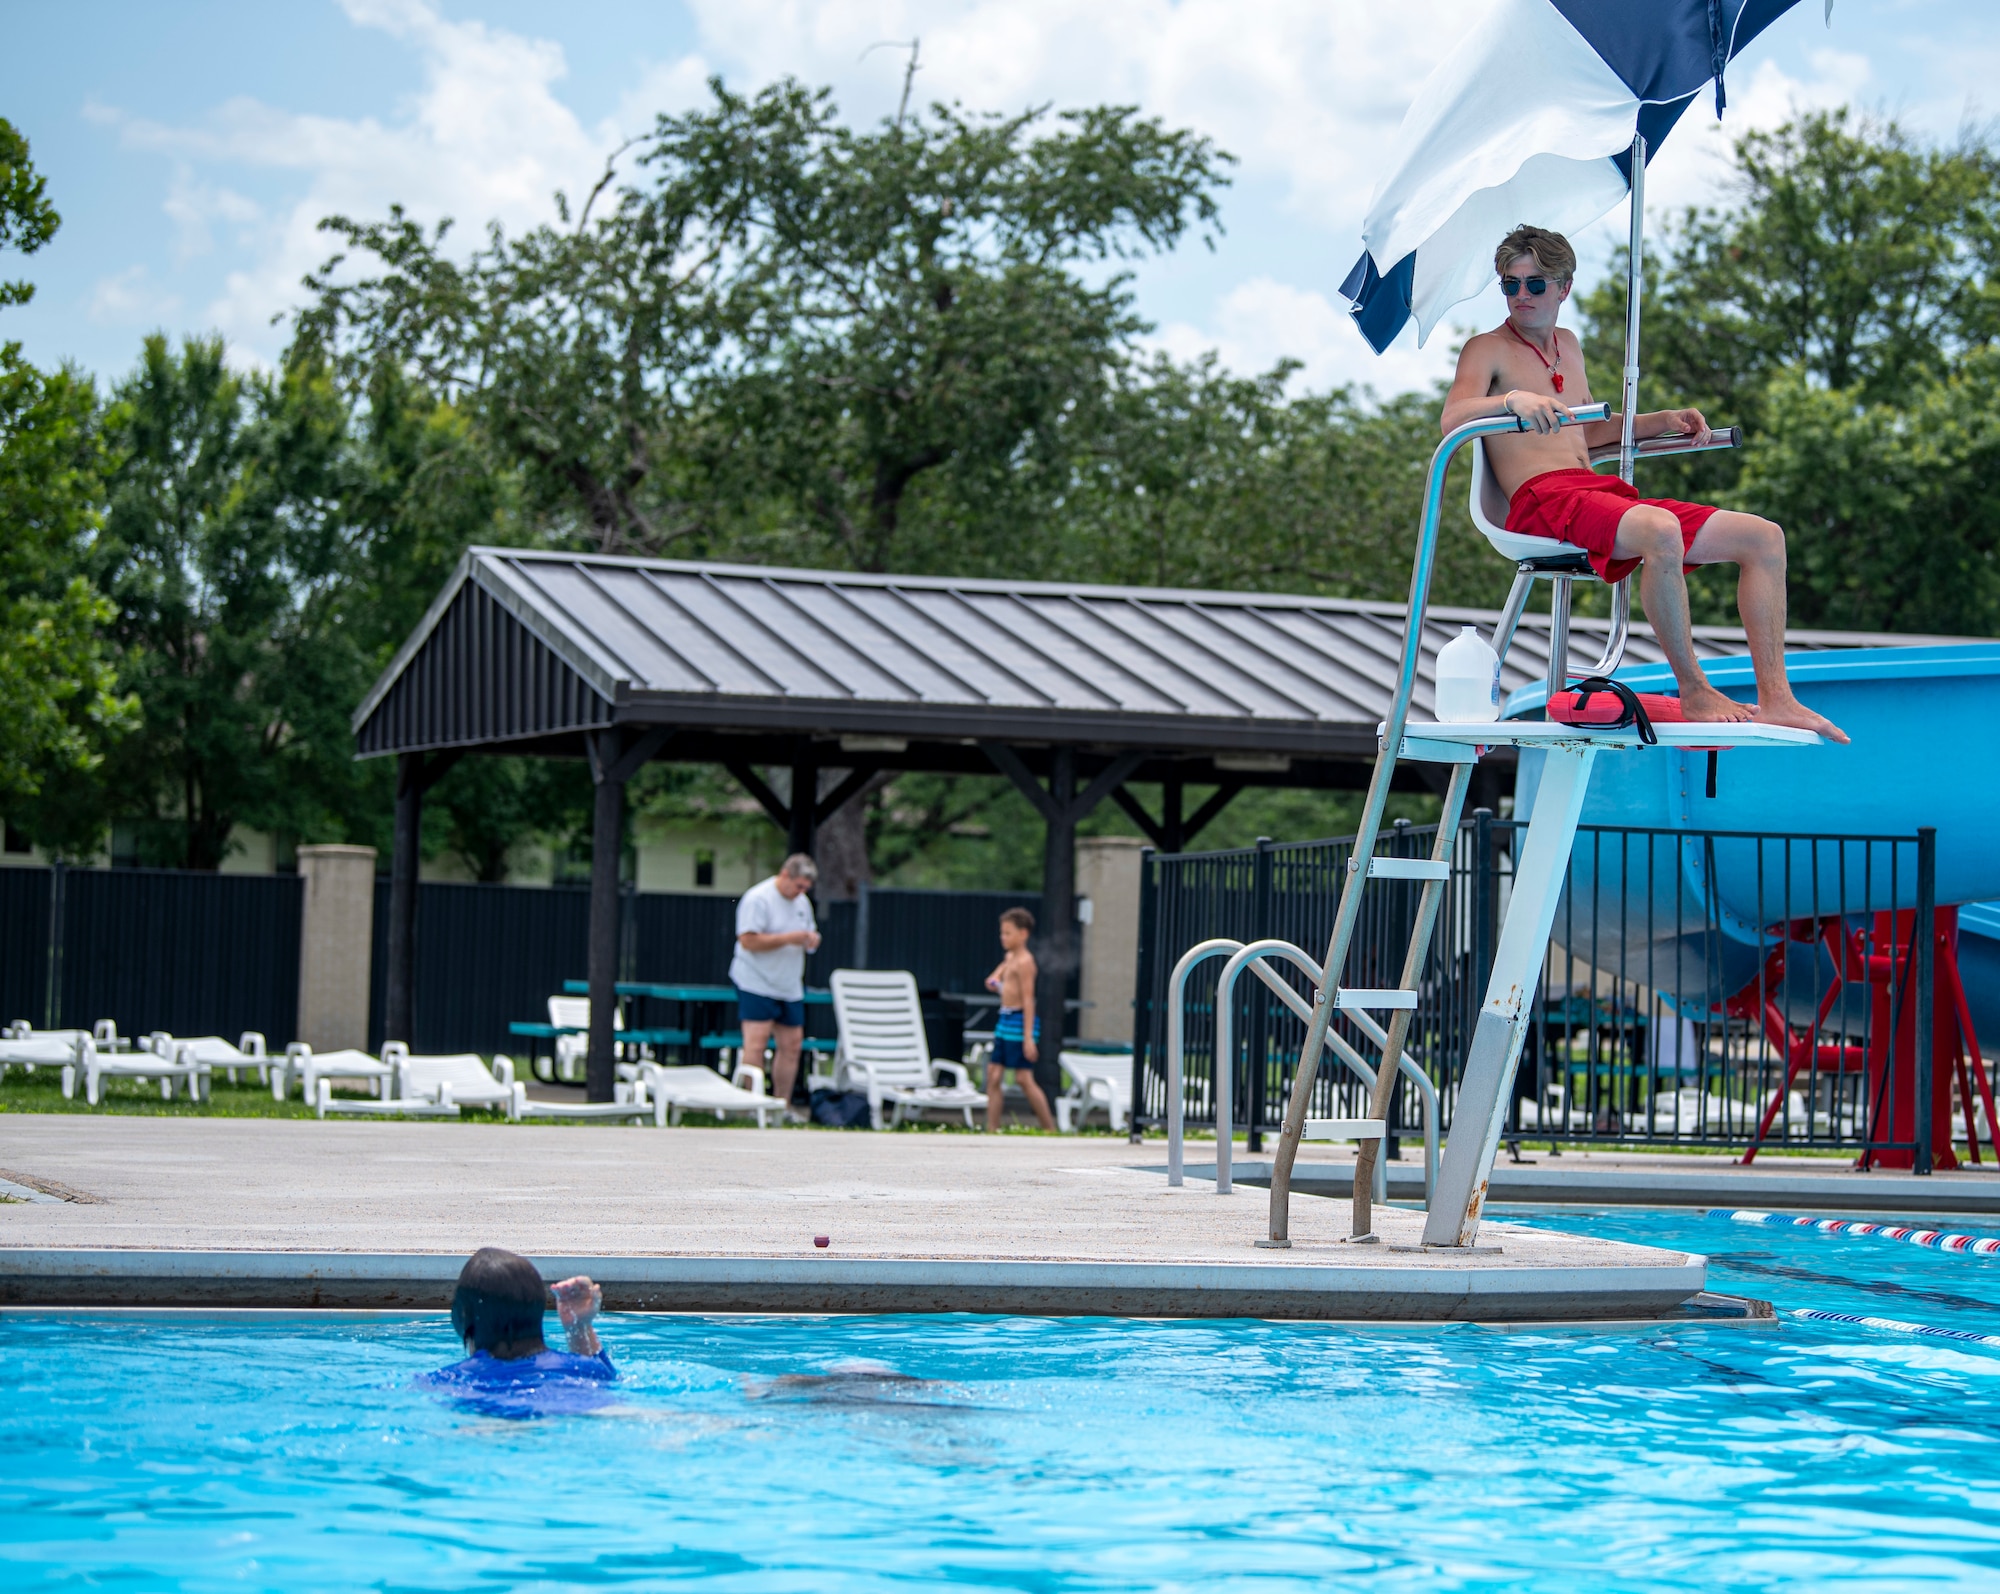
x,y
1529,368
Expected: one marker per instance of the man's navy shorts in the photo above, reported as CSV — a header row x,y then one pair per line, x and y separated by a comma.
x,y
1008,1054
752,1008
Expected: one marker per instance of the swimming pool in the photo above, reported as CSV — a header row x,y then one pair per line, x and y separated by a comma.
x,y
189,1452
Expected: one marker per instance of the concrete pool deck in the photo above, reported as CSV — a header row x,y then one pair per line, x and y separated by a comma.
x,y
249,1212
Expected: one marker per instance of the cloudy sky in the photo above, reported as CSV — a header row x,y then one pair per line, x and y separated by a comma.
x,y
192,148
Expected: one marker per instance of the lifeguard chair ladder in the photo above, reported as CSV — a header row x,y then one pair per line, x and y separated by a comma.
x,y
1485,1088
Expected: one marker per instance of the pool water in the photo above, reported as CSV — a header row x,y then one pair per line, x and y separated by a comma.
x,y
169,1451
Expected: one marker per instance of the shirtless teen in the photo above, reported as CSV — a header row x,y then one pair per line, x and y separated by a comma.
x,y
1519,369
1015,1035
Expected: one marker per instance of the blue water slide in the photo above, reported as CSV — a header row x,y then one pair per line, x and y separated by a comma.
x,y
1979,967
1695,915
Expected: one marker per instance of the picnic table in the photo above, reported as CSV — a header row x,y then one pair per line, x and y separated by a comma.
x,y
700,1013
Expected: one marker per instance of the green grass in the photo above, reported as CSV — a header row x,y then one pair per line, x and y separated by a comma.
x,y
41,1091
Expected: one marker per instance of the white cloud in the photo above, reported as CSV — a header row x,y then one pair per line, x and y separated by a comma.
x,y
1302,89
1262,321
484,139
129,298
193,206
1306,92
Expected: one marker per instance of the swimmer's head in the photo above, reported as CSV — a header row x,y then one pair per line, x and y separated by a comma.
x,y
498,1305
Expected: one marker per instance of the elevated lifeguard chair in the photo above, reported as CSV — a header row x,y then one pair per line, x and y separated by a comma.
x,y
1383,1016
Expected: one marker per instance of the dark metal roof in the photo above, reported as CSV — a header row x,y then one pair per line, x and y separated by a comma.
x,y
523,646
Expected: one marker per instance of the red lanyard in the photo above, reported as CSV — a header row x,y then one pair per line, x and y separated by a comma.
x,y
1555,376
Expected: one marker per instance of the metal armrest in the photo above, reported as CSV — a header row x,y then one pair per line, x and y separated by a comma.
x,y
1652,447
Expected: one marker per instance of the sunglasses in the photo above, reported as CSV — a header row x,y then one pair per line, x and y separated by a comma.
x,y
1537,286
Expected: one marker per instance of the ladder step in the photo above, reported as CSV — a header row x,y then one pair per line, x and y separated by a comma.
x,y
1346,1128
1364,1000
1407,869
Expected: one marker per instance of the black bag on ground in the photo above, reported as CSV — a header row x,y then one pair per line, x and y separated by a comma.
x,y
840,1109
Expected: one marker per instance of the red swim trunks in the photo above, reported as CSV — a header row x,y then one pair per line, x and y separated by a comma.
x,y
1584,508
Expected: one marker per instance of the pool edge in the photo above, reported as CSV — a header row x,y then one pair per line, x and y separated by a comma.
x,y
1434,1292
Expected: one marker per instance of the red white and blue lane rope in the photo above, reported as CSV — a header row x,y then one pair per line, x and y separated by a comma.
x,y
1932,1239
1890,1324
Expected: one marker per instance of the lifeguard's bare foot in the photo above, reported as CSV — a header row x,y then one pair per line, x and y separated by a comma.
x,y
1790,711
1710,707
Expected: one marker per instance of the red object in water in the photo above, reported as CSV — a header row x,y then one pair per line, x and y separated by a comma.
x,y
822,1240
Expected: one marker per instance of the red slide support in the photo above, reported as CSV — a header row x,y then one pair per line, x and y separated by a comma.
x,y
1883,956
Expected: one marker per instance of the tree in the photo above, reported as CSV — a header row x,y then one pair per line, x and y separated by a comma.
x,y
585,355
28,217
54,677
1194,477
240,627
934,331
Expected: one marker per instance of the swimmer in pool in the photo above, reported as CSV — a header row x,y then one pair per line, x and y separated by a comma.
x,y
1530,369
509,1370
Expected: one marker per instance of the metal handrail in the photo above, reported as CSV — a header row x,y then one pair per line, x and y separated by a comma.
x,y
1378,787
1251,957
1719,438
1337,1043
1176,996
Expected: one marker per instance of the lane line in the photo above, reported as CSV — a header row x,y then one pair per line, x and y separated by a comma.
x,y
1930,1239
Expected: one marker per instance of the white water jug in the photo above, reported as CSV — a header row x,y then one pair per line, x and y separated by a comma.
x,y
1468,680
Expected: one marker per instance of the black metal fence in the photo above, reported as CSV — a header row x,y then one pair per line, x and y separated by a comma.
x,y
1700,987
488,954
156,949
198,953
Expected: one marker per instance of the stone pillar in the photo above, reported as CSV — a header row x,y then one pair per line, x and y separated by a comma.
x,y
1107,876
335,943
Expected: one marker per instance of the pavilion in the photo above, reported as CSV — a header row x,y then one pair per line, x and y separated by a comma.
x,y
1072,692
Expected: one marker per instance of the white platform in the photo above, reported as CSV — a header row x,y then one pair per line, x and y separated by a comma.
x,y
1461,743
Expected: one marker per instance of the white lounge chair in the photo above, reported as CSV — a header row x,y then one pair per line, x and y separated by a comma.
x,y
457,1079
883,1051
166,1066
324,1102
573,1051
42,1051
631,1101
309,1067
21,1043
694,1088
1102,1080
215,1052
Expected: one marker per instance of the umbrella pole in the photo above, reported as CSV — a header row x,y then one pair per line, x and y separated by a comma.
x,y
1634,257
1621,593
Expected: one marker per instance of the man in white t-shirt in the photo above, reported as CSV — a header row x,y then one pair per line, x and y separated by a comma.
x,y
774,932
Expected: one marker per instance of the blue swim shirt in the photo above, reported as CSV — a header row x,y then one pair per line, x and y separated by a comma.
x,y
552,1383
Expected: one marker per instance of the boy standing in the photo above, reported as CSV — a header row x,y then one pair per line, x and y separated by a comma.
x,y
1019,1028
1519,369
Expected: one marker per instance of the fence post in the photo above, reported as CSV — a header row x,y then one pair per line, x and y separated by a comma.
x,y
1257,1031
52,1005
1144,1004
861,925
1926,949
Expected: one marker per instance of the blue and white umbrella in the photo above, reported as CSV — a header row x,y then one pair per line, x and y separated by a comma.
x,y
1532,119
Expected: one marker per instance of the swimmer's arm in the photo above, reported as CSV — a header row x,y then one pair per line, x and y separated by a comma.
x,y
1472,396
577,1302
